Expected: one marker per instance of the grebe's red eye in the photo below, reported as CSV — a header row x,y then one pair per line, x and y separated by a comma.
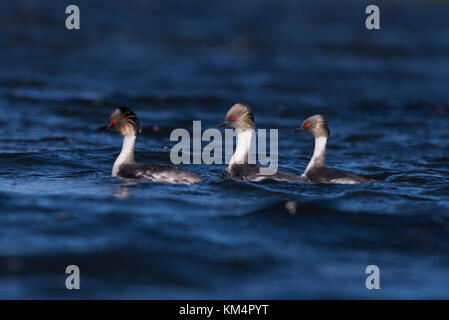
x,y
307,125
113,121
234,118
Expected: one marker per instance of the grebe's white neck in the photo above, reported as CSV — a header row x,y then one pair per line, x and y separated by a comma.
x,y
319,154
126,156
241,154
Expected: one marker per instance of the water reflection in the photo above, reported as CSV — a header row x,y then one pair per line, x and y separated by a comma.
x,y
124,191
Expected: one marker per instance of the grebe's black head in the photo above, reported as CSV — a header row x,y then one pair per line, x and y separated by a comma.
x,y
316,126
240,116
125,121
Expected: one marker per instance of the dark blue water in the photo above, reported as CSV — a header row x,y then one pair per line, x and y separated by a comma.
x,y
385,93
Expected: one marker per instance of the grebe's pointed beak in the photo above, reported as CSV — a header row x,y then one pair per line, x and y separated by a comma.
x,y
106,127
300,129
224,124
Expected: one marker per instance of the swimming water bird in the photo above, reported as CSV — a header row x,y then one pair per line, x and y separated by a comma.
x,y
316,170
240,117
125,121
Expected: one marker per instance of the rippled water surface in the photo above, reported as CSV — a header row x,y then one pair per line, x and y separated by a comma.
x,y
385,94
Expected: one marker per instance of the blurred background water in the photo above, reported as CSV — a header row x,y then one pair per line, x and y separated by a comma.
x,y
386,96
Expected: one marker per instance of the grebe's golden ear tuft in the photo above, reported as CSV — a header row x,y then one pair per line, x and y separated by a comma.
x,y
240,116
315,125
125,121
